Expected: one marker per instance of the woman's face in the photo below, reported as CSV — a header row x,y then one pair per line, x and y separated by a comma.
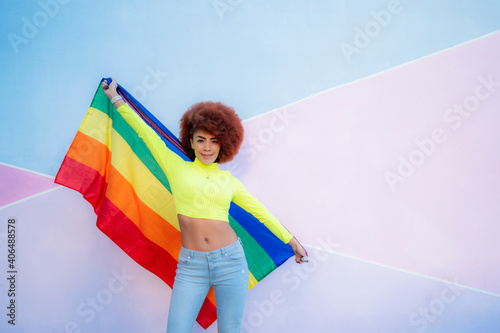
x,y
206,146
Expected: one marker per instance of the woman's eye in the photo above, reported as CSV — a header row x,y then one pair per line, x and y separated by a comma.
x,y
200,140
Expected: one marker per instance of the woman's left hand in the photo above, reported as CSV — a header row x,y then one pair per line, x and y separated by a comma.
x,y
300,252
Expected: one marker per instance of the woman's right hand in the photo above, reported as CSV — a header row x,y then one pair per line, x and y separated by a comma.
x,y
110,91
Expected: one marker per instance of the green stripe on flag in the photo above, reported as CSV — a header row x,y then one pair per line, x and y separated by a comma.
x,y
102,103
259,262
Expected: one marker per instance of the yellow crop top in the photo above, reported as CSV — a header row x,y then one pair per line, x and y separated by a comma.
x,y
199,190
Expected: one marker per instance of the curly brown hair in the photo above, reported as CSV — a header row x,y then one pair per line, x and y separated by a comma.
x,y
217,119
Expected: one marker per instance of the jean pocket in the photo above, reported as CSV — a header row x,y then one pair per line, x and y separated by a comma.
x,y
235,255
184,258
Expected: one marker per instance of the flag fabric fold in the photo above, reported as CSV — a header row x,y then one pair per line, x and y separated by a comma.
x,y
116,173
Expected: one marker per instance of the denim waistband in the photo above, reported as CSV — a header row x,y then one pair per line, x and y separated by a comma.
x,y
222,250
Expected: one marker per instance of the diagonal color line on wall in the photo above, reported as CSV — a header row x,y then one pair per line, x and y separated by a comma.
x,y
30,197
402,270
27,170
372,75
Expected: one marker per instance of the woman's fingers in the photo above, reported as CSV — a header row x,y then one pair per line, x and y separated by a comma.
x,y
300,259
106,85
301,255
109,87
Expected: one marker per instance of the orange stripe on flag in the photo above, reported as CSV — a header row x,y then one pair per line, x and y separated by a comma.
x,y
89,152
121,193
145,184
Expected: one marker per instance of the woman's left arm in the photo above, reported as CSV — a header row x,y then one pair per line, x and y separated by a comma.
x,y
246,201
298,249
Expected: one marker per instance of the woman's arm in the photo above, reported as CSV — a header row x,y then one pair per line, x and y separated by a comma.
x,y
168,160
246,201
298,249
111,92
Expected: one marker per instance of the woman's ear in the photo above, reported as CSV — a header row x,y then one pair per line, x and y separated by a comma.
x,y
191,140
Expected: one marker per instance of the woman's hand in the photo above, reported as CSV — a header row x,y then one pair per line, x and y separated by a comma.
x,y
299,251
109,89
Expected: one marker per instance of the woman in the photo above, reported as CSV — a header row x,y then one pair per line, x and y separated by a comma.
x,y
211,253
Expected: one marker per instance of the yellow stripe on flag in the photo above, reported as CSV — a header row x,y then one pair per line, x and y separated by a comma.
x,y
96,125
251,280
130,166
145,184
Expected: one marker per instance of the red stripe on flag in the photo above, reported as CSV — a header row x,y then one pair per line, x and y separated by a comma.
x,y
122,231
83,179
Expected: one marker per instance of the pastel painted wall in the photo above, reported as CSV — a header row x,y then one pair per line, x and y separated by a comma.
x,y
371,131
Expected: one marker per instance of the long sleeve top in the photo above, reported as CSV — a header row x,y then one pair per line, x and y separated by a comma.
x,y
199,190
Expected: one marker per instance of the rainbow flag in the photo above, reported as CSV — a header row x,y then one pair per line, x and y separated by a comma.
x,y
116,173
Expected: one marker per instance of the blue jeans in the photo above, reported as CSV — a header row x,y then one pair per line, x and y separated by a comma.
x,y
226,270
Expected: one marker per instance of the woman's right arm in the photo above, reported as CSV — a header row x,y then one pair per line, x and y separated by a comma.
x,y
166,158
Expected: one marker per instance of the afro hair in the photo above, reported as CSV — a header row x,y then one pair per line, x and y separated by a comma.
x,y
217,119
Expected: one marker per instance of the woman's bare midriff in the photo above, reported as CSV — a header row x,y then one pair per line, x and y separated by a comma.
x,y
205,235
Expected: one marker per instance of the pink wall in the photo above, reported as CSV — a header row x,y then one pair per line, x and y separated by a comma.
x,y
401,168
